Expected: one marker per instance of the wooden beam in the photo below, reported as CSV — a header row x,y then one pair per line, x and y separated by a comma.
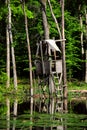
x,y
60,40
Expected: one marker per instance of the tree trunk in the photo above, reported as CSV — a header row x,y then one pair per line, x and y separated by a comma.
x,y
63,58
55,20
81,38
45,23
12,48
8,50
86,48
30,63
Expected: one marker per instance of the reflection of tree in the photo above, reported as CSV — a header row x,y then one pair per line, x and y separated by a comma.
x,y
15,113
8,113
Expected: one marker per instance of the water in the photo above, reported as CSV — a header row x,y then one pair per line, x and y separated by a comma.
x,y
15,115
45,121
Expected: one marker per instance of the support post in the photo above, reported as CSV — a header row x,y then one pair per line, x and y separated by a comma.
x,y
63,59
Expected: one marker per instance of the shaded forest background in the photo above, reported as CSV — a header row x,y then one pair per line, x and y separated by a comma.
x,y
75,11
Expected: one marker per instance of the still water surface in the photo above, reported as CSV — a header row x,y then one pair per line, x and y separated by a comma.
x,y
15,115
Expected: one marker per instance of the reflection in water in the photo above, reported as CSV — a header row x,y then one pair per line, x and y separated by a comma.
x,y
49,119
8,113
26,122
15,113
51,106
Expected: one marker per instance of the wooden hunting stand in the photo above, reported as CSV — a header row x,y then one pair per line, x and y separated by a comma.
x,y
49,69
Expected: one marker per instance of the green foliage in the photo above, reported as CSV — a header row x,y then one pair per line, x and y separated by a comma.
x,y
73,47
3,110
17,9
36,32
29,13
77,85
3,11
3,78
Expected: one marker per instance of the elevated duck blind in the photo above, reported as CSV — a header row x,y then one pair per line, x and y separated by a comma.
x,y
48,52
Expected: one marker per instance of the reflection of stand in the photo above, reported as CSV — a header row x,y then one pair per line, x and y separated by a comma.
x,y
43,94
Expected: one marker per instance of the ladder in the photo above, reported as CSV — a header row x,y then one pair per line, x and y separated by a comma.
x,y
57,85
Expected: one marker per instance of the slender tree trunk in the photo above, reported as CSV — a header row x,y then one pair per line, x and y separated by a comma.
x,y
12,48
8,58
82,48
55,20
86,48
81,38
8,50
30,63
63,58
45,23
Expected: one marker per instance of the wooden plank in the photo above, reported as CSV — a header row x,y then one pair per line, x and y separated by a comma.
x,y
59,66
60,40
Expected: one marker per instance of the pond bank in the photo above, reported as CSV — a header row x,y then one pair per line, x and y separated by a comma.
x,y
78,101
81,92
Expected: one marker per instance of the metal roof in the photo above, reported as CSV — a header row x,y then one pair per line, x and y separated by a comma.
x,y
53,45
